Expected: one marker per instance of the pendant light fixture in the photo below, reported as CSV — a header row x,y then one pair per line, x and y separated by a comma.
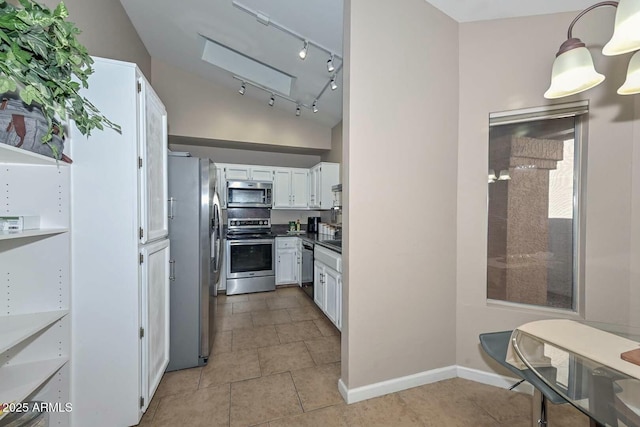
x,y
626,32
632,84
573,70
303,52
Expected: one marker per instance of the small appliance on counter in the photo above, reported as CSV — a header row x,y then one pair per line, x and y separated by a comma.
x,y
313,224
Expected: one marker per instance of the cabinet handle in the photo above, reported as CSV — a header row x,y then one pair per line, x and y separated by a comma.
x,y
171,201
172,269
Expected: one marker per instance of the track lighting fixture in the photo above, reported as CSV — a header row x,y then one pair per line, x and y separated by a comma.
x,y
297,110
330,66
334,85
242,89
272,100
315,106
303,52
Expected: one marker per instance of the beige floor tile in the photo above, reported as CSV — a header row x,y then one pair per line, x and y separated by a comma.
x,y
263,399
326,327
271,317
318,386
261,295
332,416
383,411
234,321
178,382
222,342
288,291
221,309
286,302
284,357
228,299
444,404
297,331
263,336
307,312
325,349
208,407
249,306
229,367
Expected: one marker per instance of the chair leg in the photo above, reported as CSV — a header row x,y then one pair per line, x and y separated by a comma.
x,y
539,406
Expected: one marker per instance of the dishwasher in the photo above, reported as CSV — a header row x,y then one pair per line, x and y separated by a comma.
x,y
307,268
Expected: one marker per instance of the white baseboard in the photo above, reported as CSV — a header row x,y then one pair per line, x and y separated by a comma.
x,y
403,383
495,380
397,384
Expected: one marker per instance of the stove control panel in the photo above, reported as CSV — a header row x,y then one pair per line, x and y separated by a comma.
x,y
249,224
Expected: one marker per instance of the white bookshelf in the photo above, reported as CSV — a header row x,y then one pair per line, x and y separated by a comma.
x,y
5,235
21,380
17,328
35,328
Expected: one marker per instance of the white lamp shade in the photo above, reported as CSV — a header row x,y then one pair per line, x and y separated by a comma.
x,y
573,72
626,33
632,84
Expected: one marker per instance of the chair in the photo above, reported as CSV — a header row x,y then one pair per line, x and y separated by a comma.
x,y
495,344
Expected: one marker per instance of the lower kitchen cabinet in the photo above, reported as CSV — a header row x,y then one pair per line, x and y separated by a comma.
x,y
288,261
327,283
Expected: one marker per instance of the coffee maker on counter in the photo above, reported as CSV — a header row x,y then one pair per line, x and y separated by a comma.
x,y
313,224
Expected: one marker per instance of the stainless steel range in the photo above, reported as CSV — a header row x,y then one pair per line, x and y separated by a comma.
x,y
251,251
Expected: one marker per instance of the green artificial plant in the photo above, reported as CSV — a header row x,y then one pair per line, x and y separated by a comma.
x,y
41,60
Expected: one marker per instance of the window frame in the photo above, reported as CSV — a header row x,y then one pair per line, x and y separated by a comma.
x,y
580,111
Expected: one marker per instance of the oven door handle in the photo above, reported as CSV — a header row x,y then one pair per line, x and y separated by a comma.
x,y
251,242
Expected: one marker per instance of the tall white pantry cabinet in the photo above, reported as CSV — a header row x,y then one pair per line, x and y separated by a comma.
x,y
120,252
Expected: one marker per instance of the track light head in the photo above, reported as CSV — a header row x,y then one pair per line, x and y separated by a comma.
x,y
330,67
303,51
297,110
242,89
272,100
315,106
334,85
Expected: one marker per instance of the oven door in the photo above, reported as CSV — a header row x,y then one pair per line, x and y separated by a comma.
x,y
250,258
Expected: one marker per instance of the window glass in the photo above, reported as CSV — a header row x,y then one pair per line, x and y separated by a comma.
x,y
533,218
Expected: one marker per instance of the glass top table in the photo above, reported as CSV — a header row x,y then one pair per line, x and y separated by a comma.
x,y
607,395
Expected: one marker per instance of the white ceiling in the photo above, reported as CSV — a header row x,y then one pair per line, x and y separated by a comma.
x,y
175,32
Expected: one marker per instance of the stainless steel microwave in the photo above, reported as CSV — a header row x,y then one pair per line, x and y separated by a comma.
x,y
249,194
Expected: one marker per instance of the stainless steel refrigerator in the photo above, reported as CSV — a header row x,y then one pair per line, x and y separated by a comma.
x,y
195,231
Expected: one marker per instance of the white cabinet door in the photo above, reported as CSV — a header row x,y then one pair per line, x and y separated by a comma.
x,y
327,175
286,267
330,279
299,260
154,311
338,321
261,173
299,188
282,188
313,187
240,172
152,163
319,296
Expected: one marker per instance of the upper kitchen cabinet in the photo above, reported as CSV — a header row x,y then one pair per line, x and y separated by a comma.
x,y
248,172
322,177
290,188
119,251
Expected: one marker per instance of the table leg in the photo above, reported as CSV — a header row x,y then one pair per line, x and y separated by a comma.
x,y
539,406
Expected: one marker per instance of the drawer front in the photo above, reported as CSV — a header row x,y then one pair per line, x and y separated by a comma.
x,y
329,258
286,242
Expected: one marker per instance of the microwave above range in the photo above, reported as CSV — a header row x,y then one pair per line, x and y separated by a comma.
x,y
249,194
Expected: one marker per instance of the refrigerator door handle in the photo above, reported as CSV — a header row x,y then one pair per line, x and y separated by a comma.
x,y
171,201
172,269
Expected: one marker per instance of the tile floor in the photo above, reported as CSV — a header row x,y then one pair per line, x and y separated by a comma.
x,y
276,363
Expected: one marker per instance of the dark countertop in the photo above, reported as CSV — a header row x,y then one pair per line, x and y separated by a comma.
x,y
333,243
